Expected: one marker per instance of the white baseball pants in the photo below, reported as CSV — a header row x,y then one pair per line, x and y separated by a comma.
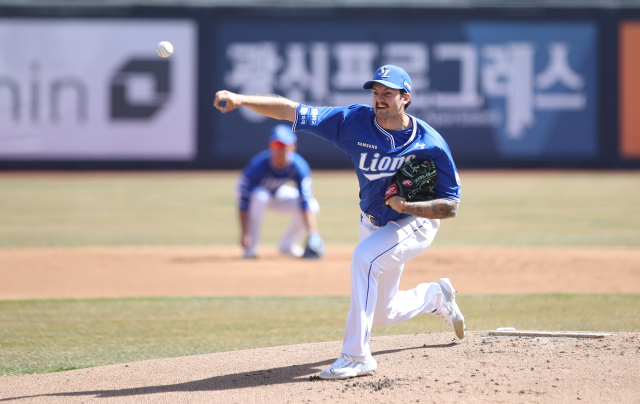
x,y
285,200
376,267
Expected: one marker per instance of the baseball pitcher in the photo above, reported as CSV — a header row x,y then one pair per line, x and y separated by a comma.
x,y
408,184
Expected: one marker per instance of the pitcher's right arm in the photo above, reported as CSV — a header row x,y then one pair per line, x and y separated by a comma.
x,y
273,106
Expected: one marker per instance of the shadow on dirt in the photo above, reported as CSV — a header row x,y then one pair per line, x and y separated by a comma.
x,y
266,377
217,259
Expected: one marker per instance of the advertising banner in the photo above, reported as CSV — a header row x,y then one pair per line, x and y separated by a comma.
x,y
629,90
497,91
78,89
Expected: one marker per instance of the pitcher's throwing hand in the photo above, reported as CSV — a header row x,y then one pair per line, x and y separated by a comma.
x,y
226,101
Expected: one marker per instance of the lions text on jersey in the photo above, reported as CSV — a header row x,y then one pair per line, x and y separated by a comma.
x,y
378,153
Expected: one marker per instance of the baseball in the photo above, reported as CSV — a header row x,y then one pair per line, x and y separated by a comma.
x,y
165,49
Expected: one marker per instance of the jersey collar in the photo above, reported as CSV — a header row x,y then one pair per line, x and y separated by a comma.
x,y
390,136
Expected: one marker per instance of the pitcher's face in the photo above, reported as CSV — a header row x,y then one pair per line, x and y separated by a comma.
x,y
388,102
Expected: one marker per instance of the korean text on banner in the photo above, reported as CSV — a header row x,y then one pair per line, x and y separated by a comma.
x,y
496,91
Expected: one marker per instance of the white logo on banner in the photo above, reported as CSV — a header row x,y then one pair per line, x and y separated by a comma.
x,y
301,72
102,94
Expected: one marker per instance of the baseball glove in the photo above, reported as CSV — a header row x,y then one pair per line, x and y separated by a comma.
x,y
314,248
414,182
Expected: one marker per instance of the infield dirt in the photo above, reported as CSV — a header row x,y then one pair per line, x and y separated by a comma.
x,y
423,368
420,368
89,272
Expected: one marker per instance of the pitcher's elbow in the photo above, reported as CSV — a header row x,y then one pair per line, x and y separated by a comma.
x,y
453,212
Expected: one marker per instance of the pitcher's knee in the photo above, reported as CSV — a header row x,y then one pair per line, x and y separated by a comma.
x,y
384,316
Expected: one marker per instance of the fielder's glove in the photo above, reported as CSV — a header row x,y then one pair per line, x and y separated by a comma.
x,y
314,248
414,182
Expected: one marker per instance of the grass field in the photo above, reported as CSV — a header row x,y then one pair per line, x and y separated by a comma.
x,y
45,336
185,208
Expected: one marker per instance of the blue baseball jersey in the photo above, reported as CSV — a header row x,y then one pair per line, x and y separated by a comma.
x,y
260,171
378,153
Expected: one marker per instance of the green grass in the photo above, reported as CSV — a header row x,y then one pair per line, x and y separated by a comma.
x,y
198,208
149,208
546,208
72,209
54,335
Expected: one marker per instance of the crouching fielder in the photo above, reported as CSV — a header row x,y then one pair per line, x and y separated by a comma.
x,y
263,186
394,227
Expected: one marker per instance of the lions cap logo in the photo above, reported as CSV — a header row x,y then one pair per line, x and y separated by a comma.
x,y
384,72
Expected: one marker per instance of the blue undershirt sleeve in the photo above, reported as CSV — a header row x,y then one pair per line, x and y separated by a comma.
x,y
248,181
303,181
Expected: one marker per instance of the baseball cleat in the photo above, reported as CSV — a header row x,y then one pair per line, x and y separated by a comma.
x,y
249,254
346,366
294,251
449,311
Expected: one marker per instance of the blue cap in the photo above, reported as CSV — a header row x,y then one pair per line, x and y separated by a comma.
x,y
392,77
283,134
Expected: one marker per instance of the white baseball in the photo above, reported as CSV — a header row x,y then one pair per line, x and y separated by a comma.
x,y
165,49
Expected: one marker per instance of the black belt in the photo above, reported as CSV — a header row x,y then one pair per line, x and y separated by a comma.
x,y
374,220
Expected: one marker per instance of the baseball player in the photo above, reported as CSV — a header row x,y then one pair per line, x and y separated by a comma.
x,y
263,185
381,140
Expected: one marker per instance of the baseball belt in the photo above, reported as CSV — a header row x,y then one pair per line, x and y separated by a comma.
x,y
374,220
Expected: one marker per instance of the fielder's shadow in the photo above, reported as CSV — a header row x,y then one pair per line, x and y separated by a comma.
x,y
217,259
280,375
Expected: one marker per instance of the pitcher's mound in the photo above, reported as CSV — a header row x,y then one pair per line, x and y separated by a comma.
x,y
420,368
